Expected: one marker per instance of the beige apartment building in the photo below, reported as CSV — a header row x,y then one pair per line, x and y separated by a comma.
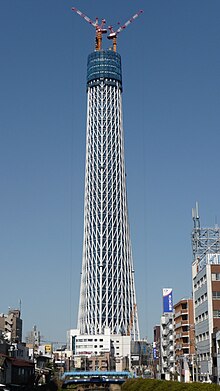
x,y
184,339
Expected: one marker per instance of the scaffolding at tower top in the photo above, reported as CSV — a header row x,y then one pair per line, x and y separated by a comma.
x,y
100,28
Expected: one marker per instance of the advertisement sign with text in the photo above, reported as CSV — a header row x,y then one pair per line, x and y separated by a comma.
x,y
167,300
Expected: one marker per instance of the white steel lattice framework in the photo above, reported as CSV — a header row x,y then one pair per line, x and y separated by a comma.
x,y
205,241
107,294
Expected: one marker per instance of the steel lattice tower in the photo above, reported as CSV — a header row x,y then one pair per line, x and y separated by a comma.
x,y
107,292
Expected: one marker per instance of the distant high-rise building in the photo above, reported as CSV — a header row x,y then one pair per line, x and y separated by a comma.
x,y
33,336
107,293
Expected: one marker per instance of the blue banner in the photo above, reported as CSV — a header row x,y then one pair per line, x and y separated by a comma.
x,y
167,300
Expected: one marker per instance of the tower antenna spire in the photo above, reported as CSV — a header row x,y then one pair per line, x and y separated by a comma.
x,y
100,29
113,34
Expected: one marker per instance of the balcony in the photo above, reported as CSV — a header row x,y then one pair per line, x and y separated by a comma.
x,y
185,344
177,314
181,324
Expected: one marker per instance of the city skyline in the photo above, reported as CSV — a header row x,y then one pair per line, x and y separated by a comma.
x,y
171,74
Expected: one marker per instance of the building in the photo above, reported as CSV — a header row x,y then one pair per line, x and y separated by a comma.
x,y
184,339
142,358
4,344
107,292
33,337
206,294
167,346
167,364
115,346
217,354
16,372
156,351
100,363
11,325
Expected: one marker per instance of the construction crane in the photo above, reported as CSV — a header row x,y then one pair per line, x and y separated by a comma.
x,y
100,29
113,34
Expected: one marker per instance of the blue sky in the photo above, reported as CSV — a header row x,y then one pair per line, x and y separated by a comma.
x,y
171,99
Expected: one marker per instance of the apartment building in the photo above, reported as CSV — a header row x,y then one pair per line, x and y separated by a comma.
x,y
206,294
11,325
167,346
184,339
167,367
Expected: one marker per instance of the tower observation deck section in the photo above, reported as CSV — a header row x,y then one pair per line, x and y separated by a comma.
x,y
107,292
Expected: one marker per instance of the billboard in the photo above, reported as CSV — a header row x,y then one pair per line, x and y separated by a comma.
x,y
167,300
48,349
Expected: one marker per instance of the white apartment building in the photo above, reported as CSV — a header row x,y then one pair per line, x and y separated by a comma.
x,y
167,346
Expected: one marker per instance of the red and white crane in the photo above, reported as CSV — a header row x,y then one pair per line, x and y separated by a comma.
x,y
100,29
113,34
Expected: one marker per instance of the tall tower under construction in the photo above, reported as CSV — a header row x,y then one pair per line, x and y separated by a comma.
x,y
107,292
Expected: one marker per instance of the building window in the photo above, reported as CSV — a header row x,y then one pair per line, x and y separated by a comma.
x,y
216,314
215,276
216,295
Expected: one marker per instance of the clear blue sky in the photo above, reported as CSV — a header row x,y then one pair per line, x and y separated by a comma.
x,y
171,100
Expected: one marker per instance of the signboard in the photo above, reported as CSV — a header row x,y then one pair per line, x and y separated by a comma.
x,y
48,349
135,358
167,300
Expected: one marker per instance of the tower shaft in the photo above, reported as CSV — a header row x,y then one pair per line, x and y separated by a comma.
x,y
107,293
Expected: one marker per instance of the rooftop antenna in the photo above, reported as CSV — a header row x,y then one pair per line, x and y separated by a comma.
x,y
99,27
195,216
113,34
